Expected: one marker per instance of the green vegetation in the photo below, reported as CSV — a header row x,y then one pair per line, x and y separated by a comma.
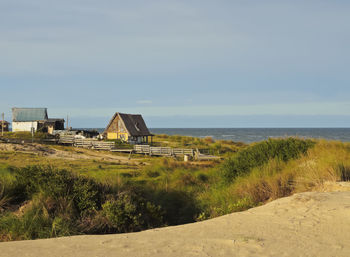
x,y
216,147
94,196
324,162
59,203
260,154
26,135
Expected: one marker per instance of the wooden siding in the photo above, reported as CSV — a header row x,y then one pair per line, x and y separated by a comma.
x,y
117,130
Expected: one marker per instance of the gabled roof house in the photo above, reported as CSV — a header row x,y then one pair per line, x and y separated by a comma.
x,y
130,128
26,119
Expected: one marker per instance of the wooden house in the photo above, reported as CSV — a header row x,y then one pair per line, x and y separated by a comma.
x,y
26,119
5,124
129,128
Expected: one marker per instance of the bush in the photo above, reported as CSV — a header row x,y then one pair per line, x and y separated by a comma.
x,y
35,223
57,184
130,212
261,153
60,203
179,207
86,195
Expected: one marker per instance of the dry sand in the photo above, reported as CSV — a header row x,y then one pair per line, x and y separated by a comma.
x,y
307,224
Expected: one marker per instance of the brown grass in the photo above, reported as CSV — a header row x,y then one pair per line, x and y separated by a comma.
x,y
325,164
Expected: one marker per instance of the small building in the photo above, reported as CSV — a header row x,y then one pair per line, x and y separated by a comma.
x,y
26,119
6,125
129,128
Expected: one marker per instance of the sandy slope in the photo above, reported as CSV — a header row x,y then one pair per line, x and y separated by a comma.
x,y
307,224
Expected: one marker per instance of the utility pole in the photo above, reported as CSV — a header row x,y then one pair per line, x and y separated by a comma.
x,y
2,124
32,130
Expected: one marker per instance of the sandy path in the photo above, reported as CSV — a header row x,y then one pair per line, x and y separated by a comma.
x,y
307,224
73,154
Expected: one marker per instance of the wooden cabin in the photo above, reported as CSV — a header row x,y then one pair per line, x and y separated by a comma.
x,y
129,128
5,124
26,119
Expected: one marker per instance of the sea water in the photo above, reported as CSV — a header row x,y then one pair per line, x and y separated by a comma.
x,y
249,135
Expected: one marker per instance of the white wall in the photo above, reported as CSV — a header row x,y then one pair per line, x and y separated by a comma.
x,y
24,126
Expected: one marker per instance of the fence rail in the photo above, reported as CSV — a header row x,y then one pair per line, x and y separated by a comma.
x,y
139,149
146,149
86,143
67,139
110,146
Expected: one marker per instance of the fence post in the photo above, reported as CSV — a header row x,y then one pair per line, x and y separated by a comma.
x,y
2,125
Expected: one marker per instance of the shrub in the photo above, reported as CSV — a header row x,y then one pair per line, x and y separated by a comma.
x,y
86,194
35,223
61,226
261,153
57,184
179,207
130,212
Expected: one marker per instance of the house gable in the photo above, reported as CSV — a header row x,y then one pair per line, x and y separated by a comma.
x,y
127,127
116,125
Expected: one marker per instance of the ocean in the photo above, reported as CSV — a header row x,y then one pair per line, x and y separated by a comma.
x,y
249,135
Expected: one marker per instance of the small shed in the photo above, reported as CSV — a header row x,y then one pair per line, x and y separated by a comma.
x,y
26,119
4,125
129,128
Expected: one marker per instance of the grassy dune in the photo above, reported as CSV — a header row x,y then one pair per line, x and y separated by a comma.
x,y
91,196
326,161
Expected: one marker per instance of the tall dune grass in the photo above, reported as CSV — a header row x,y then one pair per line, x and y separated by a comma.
x,y
326,161
41,202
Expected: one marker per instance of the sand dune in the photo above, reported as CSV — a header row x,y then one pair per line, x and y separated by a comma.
x,y
307,224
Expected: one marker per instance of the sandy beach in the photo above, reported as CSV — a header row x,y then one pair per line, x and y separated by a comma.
x,y
306,224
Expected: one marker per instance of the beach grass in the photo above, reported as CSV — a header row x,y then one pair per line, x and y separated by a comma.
x,y
162,190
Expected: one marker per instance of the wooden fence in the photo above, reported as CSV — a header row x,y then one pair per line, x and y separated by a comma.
x,y
94,144
167,151
139,149
86,143
66,139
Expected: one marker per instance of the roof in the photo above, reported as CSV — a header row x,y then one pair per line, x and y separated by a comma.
x,y
54,120
29,114
5,122
134,124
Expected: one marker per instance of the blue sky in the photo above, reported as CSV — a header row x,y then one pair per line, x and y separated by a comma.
x,y
190,63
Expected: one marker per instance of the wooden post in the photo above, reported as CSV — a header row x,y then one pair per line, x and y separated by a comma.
x,y
67,123
32,130
2,124
130,154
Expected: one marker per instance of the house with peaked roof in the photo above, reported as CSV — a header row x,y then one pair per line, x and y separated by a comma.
x,y
26,119
129,128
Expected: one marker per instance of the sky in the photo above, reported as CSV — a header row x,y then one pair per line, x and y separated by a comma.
x,y
183,63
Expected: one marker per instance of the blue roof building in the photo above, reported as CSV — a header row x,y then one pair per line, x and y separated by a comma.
x,y
28,119
29,114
